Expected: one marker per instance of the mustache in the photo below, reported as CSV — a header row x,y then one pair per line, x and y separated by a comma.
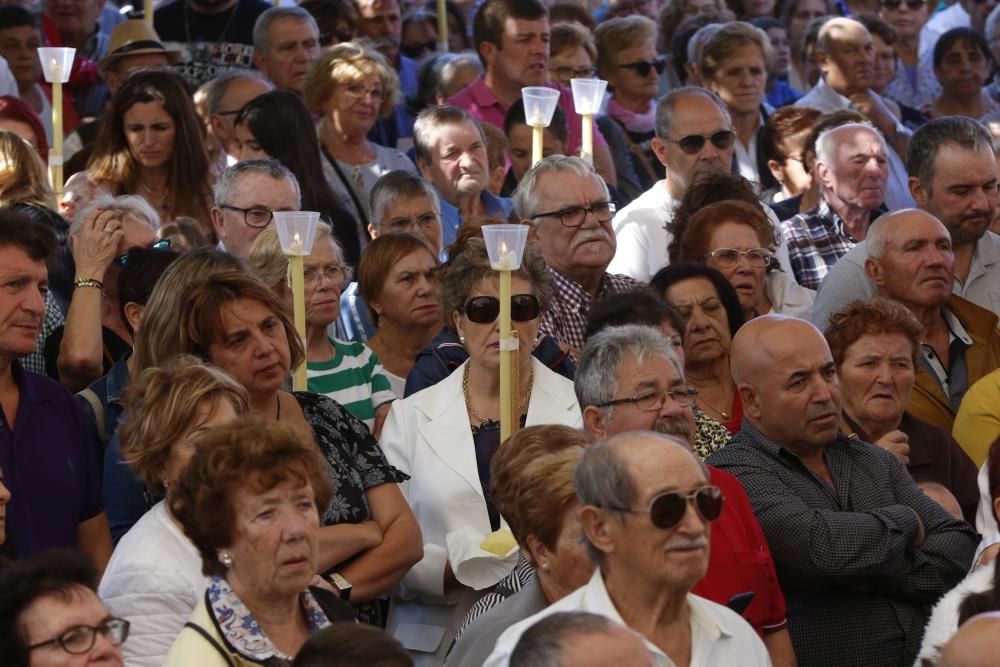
x,y
384,42
679,427
591,235
679,543
821,411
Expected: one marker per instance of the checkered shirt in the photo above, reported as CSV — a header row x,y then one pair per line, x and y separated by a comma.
x,y
566,319
816,240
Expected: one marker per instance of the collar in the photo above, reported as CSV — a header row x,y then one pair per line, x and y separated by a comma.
x,y
760,441
955,328
482,94
118,378
572,292
831,95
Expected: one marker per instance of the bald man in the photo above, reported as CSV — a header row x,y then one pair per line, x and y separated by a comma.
x,y
860,551
976,643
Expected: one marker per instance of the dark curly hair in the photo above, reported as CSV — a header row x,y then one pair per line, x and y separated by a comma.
x,y
672,274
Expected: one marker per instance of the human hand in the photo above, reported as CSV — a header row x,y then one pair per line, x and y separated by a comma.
x,y
871,105
96,245
898,444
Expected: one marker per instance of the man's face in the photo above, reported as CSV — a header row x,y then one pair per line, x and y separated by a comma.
x,y
847,68
251,191
19,46
23,284
119,71
237,95
522,57
380,22
963,193
519,148
883,64
50,616
858,169
693,115
415,215
918,265
74,17
458,168
292,48
573,251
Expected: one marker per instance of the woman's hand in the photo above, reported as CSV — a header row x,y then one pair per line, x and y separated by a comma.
x,y
96,246
898,444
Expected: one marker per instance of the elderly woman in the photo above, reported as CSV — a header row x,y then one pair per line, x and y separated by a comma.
x,y
532,487
875,344
398,282
445,437
250,500
154,578
736,239
352,86
909,85
712,315
347,372
572,54
962,65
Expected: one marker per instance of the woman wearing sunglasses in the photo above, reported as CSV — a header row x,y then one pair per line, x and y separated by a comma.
x,y
445,436
908,86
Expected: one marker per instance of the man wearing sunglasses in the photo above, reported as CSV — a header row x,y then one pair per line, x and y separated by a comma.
x,y
630,379
860,550
647,509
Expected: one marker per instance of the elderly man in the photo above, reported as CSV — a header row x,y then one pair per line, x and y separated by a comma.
x,y
845,55
451,155
246,197
285,45
51,505
570,210
226,96
861,552
579,639
910,260
646,510
630,379
852,169
953,176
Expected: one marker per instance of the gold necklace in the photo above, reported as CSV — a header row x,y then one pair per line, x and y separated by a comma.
x,y
468,399
722,413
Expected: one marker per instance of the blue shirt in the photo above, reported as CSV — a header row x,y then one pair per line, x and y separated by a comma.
x,y
782,93
451,217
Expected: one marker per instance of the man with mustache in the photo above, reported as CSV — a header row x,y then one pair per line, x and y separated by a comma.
x,y
910,260
860,550
953,176
646,507
630,379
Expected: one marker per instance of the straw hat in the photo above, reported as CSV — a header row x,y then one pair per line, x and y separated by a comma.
x,y
131,38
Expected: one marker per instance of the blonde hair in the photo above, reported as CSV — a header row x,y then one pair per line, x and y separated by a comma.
x,y
617,34
569,36
724,43
344,64
23,177
270,264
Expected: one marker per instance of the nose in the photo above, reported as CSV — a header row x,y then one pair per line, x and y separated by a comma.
x,y
35,303
884,373
4,494
103,648
821,390
691,524
670,408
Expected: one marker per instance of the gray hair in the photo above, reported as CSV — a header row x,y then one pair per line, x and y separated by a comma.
x,y
132,207
269,16
430,121
665,107
219,86
698,40
825,140
925,143
595,381
264,166
396,184
877,238
523,197
541,645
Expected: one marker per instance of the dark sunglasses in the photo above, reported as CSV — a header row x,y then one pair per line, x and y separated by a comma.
x,y
694,143
485,309
642,67
162,244
912,5
417,49
667,509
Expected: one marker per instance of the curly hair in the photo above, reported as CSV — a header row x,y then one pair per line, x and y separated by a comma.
x,y
694,244
870,317
345,64
708,188
674,273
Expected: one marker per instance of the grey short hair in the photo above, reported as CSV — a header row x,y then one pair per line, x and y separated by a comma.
x,y
541,645
269,16
264,166
665,107
132,207
825,140
395,184
430,121
219,86
523,197
925,143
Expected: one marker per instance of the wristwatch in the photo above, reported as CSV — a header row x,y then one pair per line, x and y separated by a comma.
x,y
342,585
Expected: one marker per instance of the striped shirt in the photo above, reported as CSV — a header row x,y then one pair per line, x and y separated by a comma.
x,y
354,377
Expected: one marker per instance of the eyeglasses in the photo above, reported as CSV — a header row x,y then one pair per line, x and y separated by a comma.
x,y
758,258
81,638
162,244
485,309
912,5
358,91
667,509
574,216
331,272
692,144
405,224
565,72
341,34
254,217
643,67
654,400
416,49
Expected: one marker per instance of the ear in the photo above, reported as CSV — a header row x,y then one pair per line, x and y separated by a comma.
x,y
133,313
532,231
693,75
822,173
372,231
218,224
776,170
873,269
425,169
488,51
750,399
536,552
821,60
456,320
597,527
660,150
260,62
218,129
918,192
996,505
594,421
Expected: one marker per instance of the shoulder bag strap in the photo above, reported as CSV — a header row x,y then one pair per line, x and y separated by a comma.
x,y
347,184
211,640
91,397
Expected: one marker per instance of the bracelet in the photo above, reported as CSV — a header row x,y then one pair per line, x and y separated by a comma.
x,y
88,282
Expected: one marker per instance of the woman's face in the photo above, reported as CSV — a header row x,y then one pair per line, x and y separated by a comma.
x,y
805,12
253,347
456,39
248,146
411,296
906,16
354,106
324,279
748,280
963,70
569,64
884,67
706,335
23,130
150,132
740,80
570,566
877,377
4,499
792,174
275,544
782,50
482,341
211,412
755,8
628,84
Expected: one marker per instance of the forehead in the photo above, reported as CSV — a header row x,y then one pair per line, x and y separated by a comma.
x,y
14,260
252,189
150,111
879,343
19,32
696,114
954,164
849,141
513,26
656,466
378,7
565,186
914,228
851,34
692,290
139,61
409,206
963,46
242,90
291,25
242,311
655,370
53,614
463,134
794,347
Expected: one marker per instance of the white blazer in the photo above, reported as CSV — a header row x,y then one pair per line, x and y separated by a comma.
x,y
428,436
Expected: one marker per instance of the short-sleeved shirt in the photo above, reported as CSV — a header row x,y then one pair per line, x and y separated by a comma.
x,y
48,465
354,378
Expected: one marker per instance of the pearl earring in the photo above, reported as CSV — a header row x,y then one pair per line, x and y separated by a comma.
x,y
225,559
461,339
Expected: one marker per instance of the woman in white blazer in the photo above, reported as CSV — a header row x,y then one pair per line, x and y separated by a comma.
x,y
444,437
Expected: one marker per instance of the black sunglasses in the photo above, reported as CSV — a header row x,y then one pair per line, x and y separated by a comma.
x,y
692,144
667,509
417,49
162,244
912,5
486,309
642,67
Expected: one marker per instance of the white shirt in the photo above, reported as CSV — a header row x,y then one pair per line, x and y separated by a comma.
x,y
719,636
945,20
8,84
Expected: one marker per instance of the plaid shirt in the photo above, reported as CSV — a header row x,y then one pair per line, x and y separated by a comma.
x,y
816,239
566,319
857,588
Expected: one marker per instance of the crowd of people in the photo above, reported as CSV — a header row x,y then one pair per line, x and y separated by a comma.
x,y
756,350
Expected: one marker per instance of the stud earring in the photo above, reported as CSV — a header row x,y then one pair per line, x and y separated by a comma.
x,y
461,339
225,559
546,567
